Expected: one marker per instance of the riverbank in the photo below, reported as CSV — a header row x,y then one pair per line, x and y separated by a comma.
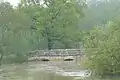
x,y
44,71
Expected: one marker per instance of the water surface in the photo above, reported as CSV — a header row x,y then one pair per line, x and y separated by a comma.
x,y
41,71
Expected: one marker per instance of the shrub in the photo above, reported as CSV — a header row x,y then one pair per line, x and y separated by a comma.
x,y
18,58
103,50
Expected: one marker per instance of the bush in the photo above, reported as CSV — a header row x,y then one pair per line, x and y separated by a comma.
x,y
18,58
103,50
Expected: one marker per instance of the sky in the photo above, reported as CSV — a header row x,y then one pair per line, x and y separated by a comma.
x,y
13,2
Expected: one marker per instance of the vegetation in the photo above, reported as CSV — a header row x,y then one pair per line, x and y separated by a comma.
x,y
102,46
32,26
55,24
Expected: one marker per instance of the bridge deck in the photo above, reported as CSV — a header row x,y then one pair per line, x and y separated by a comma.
x,y
55,54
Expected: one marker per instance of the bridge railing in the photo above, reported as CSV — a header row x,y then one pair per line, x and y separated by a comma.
x,y
57,52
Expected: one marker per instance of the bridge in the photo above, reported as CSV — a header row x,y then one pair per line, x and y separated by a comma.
x,y
55,54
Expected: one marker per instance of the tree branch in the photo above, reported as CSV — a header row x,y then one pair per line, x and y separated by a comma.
x,y
45,2
57,13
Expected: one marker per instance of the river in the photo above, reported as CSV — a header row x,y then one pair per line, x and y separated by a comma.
x,y
41,71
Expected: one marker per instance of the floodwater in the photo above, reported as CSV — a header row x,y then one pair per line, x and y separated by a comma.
x,y
42,71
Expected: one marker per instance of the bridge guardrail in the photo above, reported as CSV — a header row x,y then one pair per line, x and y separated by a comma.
x,y
57,52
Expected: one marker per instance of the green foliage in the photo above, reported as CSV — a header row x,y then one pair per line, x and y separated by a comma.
x,y
56,20
14,30
102,50
15,58
29,27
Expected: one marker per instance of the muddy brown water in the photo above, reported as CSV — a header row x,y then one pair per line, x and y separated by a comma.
x,y
58,70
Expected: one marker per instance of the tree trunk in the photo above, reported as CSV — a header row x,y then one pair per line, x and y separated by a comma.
x,y
1,57
49,39
1,54
49,42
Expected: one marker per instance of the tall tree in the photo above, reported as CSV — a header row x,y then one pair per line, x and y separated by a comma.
x,y
5,9
16,36
58,20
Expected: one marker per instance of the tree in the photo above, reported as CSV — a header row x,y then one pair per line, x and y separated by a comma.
x,y
102,50
16,35
5,9
56,20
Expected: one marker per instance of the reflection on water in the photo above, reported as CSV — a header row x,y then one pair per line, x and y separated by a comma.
x,y
37,71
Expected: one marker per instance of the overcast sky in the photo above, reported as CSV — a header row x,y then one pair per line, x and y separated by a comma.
x,y
13,2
